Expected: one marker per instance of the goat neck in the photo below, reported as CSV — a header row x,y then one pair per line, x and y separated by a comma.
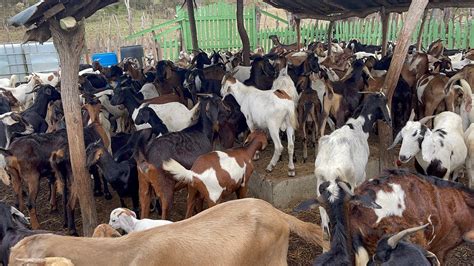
x,y
341,250
204,124
253,147
131,102
40,105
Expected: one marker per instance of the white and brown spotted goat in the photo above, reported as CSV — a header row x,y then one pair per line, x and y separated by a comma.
x,y
219,173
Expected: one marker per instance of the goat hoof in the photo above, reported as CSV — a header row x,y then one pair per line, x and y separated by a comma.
x,y
291,172
108,196
73,233
269,169
98,193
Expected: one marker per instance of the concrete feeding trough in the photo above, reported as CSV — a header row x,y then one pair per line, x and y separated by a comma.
x,y
285,192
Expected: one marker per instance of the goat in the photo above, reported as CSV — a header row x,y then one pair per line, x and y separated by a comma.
x,y
105,230
46,78
430,93
440,151
397,200
469,139
13,228
35,115
344,153
184,146
218,173
277,45
23,92
309,114
9,82
148,115
279,114
245,221
394,250
262,74
125,219
175,116
122,176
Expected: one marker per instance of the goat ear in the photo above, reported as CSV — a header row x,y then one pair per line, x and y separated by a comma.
x,y
365,201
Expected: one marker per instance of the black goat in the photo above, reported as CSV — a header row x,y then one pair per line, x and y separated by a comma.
x,y
35,115
121,176
13,228
262,74
394,250
148,115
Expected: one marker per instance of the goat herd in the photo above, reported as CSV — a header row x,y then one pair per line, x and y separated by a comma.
x,y
154,130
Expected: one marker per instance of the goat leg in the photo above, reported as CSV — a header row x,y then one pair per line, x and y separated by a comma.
x,y
107,194
191,201
33,187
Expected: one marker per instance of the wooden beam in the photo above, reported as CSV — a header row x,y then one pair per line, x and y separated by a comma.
x,y
67,23
385,18
243,33
53,11
298,33
391,79
70,45
192,24
420,32
331,25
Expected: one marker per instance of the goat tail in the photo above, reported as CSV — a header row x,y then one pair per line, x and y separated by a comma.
x,y
179,172
194,111
308,231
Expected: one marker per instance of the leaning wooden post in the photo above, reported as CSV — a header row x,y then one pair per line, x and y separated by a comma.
x,y
331,25
298,33
68,38
391,79
420,32
384,17
192,24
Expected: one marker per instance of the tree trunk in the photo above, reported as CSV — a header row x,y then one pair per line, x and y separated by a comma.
x,y
243,33
298,33
192,24
391,79
384,16
420,32
70,44
330,27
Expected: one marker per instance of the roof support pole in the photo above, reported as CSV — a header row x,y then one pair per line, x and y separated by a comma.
x,y
391,79
331,25
69,41
420,32
243,33
384,17
298,33
192,24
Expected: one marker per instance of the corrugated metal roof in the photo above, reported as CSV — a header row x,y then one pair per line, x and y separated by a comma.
x,y
341,9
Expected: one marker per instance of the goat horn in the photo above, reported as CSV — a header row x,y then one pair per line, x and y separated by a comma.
x,y
393,240
204,94
367,92
426,119
412,115
345,188
366,71
398,138
349,71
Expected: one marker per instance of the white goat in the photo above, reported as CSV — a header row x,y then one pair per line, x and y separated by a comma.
x,y
47,78
273,110
343,154
442,150
174,115
465,110
9,82
469,139
149,91
23,92
242,73
284,83
125,219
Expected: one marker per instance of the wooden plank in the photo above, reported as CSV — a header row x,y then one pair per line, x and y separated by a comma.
x,y
385,133
420,31
471,34
385,18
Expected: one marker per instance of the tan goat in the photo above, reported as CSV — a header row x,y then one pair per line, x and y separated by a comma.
x,y
239,232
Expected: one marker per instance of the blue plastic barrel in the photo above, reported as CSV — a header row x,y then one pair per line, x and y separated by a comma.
x,y
105,59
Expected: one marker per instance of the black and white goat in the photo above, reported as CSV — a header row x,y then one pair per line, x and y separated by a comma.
x,y
439,151
344,153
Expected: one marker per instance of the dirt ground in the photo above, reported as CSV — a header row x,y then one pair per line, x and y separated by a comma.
x,y
299,253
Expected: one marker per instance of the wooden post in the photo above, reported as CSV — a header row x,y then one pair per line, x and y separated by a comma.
x,y
331,25
298,33
420,32
385,18
243,33
391,79
69,43
192,24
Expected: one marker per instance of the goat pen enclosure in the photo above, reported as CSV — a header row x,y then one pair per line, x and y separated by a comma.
x,y
217,30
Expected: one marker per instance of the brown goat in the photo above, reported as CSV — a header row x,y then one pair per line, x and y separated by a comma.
x,y
238,232
309,114
230,170
105,230
431,93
